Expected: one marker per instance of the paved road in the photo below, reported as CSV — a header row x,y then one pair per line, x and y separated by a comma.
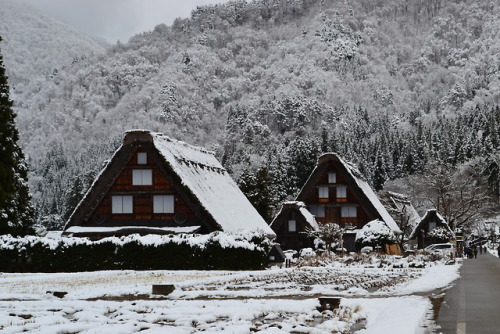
x,y
472,305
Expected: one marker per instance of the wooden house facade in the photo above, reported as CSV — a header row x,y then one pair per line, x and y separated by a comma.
x,y
156,185
336,192
423,232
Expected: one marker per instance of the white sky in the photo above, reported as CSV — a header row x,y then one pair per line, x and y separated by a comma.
x,y
117,19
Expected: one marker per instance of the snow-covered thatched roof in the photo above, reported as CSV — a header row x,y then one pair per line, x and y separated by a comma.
x,y
204,176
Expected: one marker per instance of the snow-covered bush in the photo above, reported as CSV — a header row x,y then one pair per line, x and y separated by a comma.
x,y
307,252
440,234
216,250
375,234
329,235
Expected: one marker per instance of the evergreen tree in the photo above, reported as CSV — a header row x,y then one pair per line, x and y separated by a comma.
x,y
257,188
16,212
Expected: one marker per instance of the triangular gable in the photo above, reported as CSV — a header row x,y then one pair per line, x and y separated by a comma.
x,y
428,215
206,186
359,185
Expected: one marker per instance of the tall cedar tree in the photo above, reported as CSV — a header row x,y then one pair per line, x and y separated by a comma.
x,y
16,211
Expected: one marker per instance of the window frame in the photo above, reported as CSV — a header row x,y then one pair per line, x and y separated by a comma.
x,y
165,205
119,204
292,223
322,190
317,209
332,177
138,177
349,212
341,192
142,158
433,224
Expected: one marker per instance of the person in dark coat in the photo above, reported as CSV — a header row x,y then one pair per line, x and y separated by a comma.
x,y
498,250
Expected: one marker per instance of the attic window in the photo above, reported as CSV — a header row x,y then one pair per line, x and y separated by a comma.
x,y
317,211
432,225
348,212
142,177
341,194
292,226
323,192
122,204
142,158
332,177
163,204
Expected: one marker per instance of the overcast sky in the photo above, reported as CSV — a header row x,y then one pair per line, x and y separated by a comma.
x,y
117,19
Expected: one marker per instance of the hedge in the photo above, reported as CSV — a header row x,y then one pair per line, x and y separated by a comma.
x,y
215,251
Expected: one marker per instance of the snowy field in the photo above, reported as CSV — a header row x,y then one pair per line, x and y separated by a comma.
x,y
382,295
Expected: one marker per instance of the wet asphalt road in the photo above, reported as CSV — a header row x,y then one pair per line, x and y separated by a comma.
x,y
472,305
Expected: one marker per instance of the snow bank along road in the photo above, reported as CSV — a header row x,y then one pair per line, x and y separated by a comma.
x,y
379,298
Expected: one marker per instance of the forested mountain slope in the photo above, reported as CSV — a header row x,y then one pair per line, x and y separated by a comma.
x,y
270,84
36,46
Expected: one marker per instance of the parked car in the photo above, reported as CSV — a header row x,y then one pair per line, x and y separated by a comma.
x,y
444,249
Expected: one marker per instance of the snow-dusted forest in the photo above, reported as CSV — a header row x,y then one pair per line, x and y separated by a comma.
x,y
408,90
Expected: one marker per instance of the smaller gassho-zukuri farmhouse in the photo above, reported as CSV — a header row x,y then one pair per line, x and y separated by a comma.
x,y
157,185
335,192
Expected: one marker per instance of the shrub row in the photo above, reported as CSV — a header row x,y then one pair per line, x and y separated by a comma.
x,y
37,254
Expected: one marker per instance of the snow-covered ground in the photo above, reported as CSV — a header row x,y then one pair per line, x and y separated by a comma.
x,y
382,295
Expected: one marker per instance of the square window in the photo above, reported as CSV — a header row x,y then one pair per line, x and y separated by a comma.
x,y
332,177
292,226
142,177
323,192
163,204
122,204
317,211
348,212
142,158
341,192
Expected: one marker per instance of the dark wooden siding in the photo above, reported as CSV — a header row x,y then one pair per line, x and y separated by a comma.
x,y
333,204
143,199
291,240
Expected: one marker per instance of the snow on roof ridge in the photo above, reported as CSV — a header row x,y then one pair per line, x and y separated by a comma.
x,y
180,142
398,195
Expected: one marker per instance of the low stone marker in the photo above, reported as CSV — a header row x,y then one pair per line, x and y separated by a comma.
x,y
163,289
328,303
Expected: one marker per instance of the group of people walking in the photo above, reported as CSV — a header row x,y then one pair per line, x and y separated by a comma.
x,y
472,251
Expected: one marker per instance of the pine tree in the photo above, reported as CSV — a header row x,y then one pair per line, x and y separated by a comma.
x,y
16,212
257,188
